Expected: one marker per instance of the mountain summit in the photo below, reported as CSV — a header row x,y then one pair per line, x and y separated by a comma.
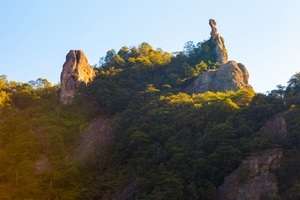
x,y
229,75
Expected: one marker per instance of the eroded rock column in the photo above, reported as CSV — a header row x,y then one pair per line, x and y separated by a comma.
x,y
76,71
220,49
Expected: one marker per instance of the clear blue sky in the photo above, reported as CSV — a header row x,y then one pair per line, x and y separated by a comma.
x,y
35,35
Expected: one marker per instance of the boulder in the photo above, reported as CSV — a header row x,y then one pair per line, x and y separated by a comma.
x,y
229,76
76,71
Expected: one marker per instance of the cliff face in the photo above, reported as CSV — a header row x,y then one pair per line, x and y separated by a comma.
x,y
275,129
254,179
229,76
95,142
76,70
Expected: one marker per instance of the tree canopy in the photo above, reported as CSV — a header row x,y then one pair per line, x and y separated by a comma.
x,y
167,143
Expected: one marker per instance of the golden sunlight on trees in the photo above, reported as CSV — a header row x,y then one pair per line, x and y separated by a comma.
x,y
4,95
144,54
234,99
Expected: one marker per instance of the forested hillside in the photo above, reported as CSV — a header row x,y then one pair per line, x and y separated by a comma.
x,y
166,142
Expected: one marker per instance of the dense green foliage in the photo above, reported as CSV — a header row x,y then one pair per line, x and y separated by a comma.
x,y
182,149
126,76
174,145
168,144
37,138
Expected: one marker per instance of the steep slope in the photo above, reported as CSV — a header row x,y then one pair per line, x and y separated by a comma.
x,y
135,132
95,142
254,179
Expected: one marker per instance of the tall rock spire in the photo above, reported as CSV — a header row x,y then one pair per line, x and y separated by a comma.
x,y
76,70
217,39
229,75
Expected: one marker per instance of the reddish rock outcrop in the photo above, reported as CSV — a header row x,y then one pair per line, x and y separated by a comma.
x,y
254,179
76,71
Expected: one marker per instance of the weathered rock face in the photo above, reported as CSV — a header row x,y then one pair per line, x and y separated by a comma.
x,y
254,179
76,70
217,39
229,76
275,128
95,142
